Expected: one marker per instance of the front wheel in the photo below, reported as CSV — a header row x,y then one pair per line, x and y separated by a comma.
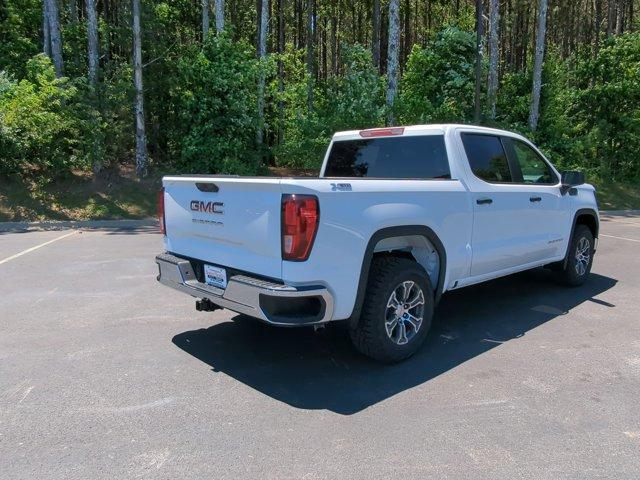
x,y
397,310
580,257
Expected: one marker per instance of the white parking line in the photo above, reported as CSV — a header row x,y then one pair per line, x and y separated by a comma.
x,y
28,250
613,236
620,222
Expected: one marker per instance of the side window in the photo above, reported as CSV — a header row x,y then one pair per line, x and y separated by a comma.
x,y
534,168
487,157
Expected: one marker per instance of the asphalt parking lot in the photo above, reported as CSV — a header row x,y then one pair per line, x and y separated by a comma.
x,y
106,374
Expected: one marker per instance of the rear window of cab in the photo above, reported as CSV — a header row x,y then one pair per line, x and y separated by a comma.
x,y
403,157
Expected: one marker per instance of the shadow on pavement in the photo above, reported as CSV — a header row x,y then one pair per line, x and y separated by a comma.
x,y
115,227
322,370
130,231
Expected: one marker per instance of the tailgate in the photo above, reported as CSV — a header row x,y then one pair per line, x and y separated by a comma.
x,y
226,221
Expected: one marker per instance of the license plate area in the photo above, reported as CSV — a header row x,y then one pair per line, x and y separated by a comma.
x,y
215,276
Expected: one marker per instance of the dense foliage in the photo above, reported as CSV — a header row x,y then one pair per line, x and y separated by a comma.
x,y
201,97
352,100
45,123
214,109
591,108
438,84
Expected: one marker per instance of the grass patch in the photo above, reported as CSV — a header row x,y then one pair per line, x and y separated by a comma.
x,y
114,195
118,194
614,195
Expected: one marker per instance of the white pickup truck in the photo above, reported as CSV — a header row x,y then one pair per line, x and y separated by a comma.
x,y
397,217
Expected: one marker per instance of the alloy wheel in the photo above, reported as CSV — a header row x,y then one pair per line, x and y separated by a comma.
x,y
405,312
583,256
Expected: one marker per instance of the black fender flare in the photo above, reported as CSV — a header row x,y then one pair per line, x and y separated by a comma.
x,y
580,212
399,231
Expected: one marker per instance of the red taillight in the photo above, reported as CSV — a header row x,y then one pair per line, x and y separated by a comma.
x,y
300,215
160,204
381,132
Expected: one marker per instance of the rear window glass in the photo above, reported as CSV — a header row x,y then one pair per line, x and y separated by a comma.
x,y
422,156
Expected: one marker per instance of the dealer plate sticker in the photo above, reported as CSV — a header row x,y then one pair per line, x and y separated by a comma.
x,y
215,276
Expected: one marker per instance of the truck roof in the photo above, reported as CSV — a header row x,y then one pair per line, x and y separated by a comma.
x,y
415,129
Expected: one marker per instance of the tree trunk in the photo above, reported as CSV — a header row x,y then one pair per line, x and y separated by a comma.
x,y
384,40
323,45
392,58
537,64
262,53
492,88
406,42
526,36
205,20
92,56
73,11
141,136
92,40
46,36
281,7
479,35
619,17
311,28
596,26
107,44
334,40
54,33
375,34
219,16
505,55
299,23
610,16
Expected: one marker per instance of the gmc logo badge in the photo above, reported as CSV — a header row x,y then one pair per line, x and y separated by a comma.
x,y
206,207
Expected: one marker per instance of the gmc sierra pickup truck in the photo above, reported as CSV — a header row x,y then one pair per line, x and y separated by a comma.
x,y
397,217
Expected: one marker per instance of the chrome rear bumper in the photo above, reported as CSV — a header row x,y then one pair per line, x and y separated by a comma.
x,y
248,295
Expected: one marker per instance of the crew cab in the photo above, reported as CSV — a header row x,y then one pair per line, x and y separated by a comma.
x,y
397,217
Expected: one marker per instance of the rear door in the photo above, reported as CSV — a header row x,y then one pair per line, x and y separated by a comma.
x,y
229,222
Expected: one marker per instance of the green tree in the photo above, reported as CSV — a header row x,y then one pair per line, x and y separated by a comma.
x,y
438,84
214,118
44,123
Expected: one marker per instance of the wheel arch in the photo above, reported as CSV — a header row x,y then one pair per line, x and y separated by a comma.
x,y
392,232
583,216
588,217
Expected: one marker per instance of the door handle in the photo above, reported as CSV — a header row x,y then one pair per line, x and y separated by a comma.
x,y
535,199
484,201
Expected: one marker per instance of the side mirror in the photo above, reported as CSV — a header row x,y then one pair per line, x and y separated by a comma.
x,y
570,179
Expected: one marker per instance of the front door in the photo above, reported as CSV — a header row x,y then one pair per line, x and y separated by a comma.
x,y
548,209
501,237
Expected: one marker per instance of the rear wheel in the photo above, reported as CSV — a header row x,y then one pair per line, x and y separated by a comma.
x,y
580,257
397,310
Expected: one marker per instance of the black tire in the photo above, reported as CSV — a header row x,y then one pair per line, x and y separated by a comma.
x,y
574,274
370,337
